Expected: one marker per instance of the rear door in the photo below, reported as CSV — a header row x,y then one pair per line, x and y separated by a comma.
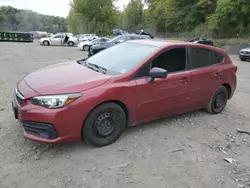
x,y
205,70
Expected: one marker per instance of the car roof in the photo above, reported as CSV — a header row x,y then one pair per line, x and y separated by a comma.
x,y
166,43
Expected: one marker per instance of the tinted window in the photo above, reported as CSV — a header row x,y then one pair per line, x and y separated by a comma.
x,y
216,58
172,60
202,57
113,58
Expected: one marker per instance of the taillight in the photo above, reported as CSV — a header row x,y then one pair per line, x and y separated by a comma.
x,y
235,69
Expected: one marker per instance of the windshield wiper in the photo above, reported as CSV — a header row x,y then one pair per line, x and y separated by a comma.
x,y
102,69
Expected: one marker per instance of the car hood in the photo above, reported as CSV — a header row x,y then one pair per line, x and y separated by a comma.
x,y
69,77
246,49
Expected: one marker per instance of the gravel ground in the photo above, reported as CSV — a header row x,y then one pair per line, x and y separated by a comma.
x,y
184,151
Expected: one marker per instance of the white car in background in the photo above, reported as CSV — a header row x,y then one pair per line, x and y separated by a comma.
x,y
60,39
85,46
87,37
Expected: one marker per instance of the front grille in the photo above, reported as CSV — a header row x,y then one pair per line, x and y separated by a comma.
x,y
245,52
19,97
42,130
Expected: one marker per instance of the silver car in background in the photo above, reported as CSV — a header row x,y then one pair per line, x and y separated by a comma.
x,y
87,37
244,54
87,44
60,39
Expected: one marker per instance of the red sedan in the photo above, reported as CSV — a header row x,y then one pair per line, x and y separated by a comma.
x,y
130,83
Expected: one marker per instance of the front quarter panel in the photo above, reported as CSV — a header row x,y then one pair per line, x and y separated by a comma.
x,y
123,92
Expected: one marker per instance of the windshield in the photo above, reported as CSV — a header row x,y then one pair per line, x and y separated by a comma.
x,y
114,59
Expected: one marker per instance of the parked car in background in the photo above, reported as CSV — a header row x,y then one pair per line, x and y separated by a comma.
x,y
59,39
244,54
200,40
87,37
119,32
122,38
135,82
87,44
142,32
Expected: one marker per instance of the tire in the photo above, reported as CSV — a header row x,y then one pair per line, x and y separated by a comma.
x,y
46,43
242,59
86,48
71,43
96,132
218,102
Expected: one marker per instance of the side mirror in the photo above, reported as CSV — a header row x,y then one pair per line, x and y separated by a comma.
x,y
157,73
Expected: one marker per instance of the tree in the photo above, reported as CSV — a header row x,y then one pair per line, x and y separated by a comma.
x,y
230,18
96,16
12,19
132,17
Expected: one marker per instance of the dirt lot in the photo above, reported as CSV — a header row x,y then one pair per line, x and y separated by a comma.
x,y
185,151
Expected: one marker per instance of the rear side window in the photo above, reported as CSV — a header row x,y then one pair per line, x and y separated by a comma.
x,y
202,57
216,58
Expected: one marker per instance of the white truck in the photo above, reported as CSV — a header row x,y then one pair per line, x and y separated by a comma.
x,y
60,39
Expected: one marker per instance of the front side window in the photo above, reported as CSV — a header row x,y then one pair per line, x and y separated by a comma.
x,y
113,58
172,60
57,36
202,57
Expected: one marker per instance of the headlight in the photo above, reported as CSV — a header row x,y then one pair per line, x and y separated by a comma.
x,y
54,101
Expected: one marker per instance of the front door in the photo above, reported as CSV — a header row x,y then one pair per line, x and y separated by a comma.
x,y
163,97
57,39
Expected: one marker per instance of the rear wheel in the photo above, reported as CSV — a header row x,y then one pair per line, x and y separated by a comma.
x,y
218,102
104,125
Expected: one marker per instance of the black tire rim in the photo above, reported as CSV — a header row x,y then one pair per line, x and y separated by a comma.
x,y
220,100
105,125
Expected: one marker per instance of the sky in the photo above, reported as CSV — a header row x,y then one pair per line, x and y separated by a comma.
x,y
49,7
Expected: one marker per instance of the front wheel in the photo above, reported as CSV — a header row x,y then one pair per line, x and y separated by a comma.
x,y
242,59
218,102
104,125
71,43
86,48
46,43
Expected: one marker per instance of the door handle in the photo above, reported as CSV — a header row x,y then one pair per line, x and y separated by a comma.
x,y
183,80
216,74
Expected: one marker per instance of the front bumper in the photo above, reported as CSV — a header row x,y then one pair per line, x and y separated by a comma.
x,y
244,56
46,125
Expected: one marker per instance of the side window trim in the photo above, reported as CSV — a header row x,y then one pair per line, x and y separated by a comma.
x,y
134,77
